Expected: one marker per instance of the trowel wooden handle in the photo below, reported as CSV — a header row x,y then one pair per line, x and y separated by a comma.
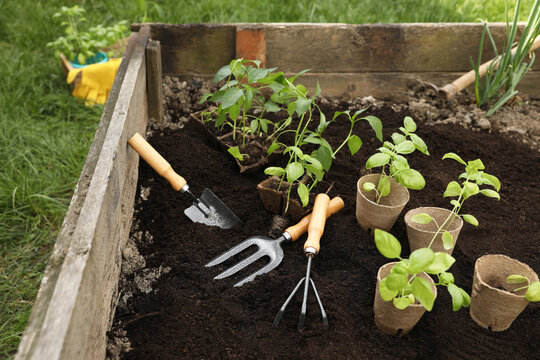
x,y
156,161
462,82
316,224
301,227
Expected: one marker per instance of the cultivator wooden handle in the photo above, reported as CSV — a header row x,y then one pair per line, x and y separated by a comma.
x,y
316,224
301,227
156,161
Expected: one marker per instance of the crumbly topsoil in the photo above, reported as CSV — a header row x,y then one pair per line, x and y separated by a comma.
x,y
181,312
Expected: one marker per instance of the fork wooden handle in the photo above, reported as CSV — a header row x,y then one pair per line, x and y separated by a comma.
x,y
316,224
301,227
156,161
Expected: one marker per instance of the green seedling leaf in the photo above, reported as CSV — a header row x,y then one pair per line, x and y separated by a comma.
x,y
516,279
396,281
222,73
273,147
273,170
376,125
455,203
294,171
303,193
317,90
452,189
446,278
387,244
420,259
470,189
493,181
398,138
409,123
376,160
466,298
386,293
490,193
403,302
476,164
254,125
411,179
205,97
419,144
316,163
441,262
322,123
421,290
296,151
388,145
302,105
235,152
324,155
234,111
470,219
354,143
368,186
405,147
421,218
319,173
271,107
533,292
230,97
457,297
448,240
454,156
384,186
400,268
264,125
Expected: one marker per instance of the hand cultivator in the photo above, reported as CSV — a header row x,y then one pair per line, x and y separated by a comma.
x,y
311,248
269,247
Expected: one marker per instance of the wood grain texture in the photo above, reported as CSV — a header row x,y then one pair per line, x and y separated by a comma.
x,y
72,312
154,80
251,44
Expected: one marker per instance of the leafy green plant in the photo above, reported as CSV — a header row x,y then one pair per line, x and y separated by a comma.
x,y
533,289
393,164
81,45
404,287
242,95
507,69
472,179
316,164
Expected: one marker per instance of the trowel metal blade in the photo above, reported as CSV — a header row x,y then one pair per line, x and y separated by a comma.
x,y
219,214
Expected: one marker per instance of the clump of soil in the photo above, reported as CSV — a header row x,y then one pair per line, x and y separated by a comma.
x,y
188,314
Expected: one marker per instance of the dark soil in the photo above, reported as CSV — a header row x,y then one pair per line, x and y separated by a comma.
x,y
190,315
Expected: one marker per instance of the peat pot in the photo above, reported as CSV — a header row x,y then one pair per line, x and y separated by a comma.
x,y
390,319
275,201
420,235
494,304
371,215
78,294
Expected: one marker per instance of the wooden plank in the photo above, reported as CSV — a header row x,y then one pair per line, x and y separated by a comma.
x,y
154,79
332,48
71,314
251,44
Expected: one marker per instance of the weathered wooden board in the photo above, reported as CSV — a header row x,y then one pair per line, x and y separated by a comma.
x,y
72,311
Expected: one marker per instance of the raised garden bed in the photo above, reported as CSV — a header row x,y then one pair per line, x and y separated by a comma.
x,y
187,314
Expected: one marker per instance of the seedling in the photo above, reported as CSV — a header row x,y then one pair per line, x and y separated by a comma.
x,y
506,71
80,45
315,165
404,287
390,158
533,289
473,178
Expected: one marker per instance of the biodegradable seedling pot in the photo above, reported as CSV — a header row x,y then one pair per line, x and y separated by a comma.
x,y
494,304
276,201
420,235
371,215
390,319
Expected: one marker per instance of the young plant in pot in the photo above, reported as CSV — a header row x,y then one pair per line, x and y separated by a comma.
x,y
240,115
304,171
502,288
405,289
83,48
439,228
381,197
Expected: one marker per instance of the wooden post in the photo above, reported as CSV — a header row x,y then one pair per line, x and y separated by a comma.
x,y
251,44
154,80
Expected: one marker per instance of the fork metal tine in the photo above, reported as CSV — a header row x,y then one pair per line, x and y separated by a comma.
x,y
242,264
270,266
232,251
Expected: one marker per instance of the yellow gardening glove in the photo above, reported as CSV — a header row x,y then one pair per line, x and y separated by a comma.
x,y
96,81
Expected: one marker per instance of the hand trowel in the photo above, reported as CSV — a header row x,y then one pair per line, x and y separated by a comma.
x,y
207,209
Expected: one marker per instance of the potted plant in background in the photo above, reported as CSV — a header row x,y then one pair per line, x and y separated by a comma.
x,y
405,290
84,47
381,197
439,228
502,288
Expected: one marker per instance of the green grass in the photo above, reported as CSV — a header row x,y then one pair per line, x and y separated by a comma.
x,y
45,134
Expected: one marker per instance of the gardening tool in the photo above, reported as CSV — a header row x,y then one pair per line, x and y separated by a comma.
x,y
450,90
207,209
311,248
268,247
